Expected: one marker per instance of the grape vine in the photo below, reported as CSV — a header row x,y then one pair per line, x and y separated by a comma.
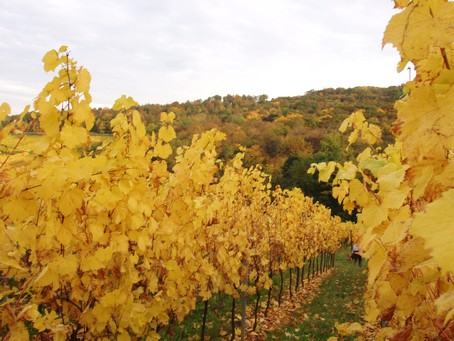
x,y
404,193
109,242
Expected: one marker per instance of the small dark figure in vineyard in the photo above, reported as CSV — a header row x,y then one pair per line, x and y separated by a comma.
x,y
355,255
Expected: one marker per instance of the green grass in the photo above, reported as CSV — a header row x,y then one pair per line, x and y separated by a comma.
x,y
340,298
217,323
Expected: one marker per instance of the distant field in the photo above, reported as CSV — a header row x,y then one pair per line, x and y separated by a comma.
x,y
26,145
30,144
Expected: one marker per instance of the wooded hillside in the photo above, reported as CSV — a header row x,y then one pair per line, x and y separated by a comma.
x,y
284,134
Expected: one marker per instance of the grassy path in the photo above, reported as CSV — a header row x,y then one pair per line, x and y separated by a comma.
x,y
339,298
336,295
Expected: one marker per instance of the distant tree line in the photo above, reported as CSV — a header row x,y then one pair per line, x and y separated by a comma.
x,y
284,134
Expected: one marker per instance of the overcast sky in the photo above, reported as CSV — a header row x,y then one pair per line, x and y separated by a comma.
x,y
160,51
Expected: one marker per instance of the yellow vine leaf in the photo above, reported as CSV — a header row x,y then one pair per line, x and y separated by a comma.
x,y
373,216
49,119
405,303
436,226
47,276
82,83
395,198
7,262
355,120
101,313
73,136
347,172
83,114
68,265
18,331
371,164
124,103
95,262
325,170
370,133
376,256
390,177
401,3
18,209
5,110
124,337
51,60
431,25
70,200
166,133
358,193
167,117
162,150
137,121
385,295
238,161
119,243
373,134
119,124
395,232
65,231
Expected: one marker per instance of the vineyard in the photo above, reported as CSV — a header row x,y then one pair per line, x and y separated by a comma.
x,y
108,240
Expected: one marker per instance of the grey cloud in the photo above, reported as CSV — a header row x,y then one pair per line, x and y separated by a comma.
x,y
168,50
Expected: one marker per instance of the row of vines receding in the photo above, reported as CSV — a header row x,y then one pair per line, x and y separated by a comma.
x,y
107,241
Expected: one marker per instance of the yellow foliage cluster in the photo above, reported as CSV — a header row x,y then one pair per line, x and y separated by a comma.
x,y
111,243
289,117
405,194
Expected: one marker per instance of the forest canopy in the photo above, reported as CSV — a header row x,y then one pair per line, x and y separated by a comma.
x,y
284,134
